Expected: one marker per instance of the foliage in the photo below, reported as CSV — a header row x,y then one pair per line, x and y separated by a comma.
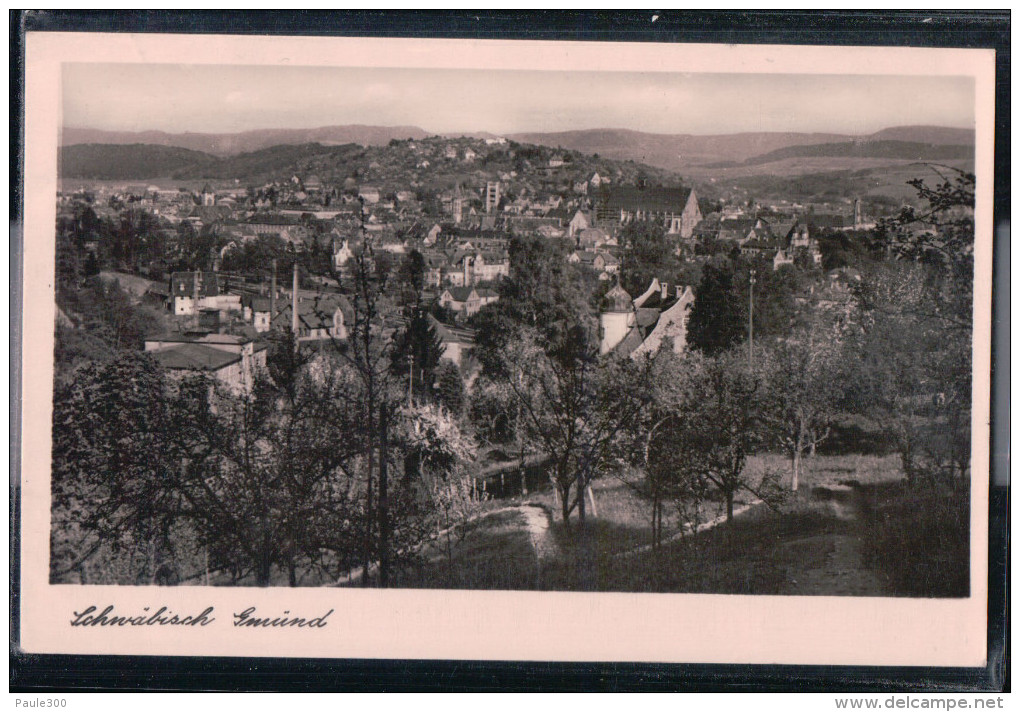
x,y
102,322
411,276
575,408
727,427
269,479
915,328
449,388
431,434
119,162
111,460
416,354
544,292
802,386
920,538
648,253
661,443
494,412
717,320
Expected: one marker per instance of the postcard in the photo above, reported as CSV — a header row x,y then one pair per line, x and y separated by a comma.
x,y
505,350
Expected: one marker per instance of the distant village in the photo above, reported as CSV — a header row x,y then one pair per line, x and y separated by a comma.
x,y
222,315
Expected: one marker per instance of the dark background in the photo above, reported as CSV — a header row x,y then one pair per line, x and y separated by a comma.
x,y
959,29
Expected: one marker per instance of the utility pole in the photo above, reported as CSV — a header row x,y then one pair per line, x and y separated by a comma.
x,y
294,308
384,516
272,296
750,322
410,375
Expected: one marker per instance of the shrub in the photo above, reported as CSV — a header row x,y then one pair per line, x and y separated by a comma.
x,y
921,537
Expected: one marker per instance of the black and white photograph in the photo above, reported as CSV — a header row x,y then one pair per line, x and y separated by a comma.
x,y
474,328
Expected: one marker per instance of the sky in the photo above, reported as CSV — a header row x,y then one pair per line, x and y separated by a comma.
x,y
226,99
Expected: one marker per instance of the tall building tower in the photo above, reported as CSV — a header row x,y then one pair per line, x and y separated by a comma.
x,y
491,196
616,319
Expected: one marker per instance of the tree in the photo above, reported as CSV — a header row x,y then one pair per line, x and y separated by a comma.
x,y
431,437
268,473
915,329
775,307
449,388
411,277
727,428
575,408
494,411
717,321
802,387
416,352
912,372
648,253
661,440
543,292
102,322
111,460
369,354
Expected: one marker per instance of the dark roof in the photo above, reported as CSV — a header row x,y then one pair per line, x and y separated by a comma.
x,y
448,334
646,317
738,224
460,294
194,357
315,313
271,219
630,342
655,301
198,336
630,198
209,213
182,284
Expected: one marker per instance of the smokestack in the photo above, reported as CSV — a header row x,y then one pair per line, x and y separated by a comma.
x,y
665,292
294,304
272,297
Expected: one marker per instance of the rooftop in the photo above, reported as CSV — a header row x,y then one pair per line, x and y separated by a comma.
x,y
628,197
194,357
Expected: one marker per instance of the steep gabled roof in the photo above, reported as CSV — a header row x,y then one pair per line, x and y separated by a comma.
x,y
632,198
315,313
460,294
630,342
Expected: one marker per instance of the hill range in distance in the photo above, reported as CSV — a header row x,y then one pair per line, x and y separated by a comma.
x,y
699,156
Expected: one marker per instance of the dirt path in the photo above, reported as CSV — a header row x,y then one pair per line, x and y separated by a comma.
x,y
842,574
842,571
536,520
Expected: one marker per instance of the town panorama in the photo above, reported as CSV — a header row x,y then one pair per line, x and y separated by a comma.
x,y
484,362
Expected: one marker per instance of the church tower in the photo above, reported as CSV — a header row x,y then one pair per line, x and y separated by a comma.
x,y
616,319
